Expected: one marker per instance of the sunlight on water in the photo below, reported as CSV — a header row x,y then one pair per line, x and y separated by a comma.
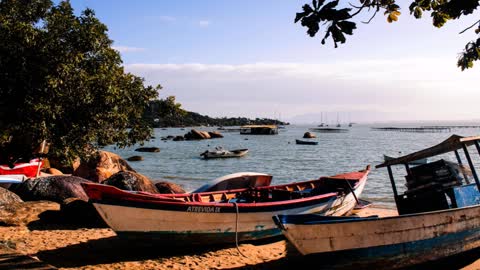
x,y
278,155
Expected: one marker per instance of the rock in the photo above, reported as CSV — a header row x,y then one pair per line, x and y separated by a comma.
x,y
131,181
148,149
81,213
23,213
55,188
309,135
7,197
178,138
101,167
135,158
215,134
168,187
197,135
53,171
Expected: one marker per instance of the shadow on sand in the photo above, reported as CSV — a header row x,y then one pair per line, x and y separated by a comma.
x,y
296,261
115,249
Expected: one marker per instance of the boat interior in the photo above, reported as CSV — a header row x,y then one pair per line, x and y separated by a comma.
x,y
328,186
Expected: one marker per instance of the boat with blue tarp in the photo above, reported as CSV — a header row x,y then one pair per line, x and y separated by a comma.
x,y
438,216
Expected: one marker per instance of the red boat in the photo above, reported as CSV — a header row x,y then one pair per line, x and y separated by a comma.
x,y
28,169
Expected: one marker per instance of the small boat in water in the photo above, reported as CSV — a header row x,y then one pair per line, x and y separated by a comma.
x,y
220,152
438,216
306,142
224,216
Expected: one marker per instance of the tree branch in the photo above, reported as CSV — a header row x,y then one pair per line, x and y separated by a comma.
x,y
469,27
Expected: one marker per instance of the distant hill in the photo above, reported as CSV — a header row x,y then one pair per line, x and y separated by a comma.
x,y
196,119
168,113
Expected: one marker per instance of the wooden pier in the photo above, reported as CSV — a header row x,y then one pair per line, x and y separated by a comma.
x,y
415,129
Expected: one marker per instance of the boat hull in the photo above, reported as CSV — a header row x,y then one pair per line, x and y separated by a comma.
x,y
392,242
207,223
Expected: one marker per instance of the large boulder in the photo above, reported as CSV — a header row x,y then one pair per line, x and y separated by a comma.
x,y
7,197
131,181
102,167
168,187
55,188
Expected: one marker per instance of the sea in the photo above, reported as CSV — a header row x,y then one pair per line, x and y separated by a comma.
x,y
278,155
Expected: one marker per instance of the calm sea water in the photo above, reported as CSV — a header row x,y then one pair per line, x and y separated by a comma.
x,y
278,155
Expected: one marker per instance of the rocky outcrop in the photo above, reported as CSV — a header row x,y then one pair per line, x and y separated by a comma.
x,y
168,187
7,197
101,167
52,188
131,181
309,135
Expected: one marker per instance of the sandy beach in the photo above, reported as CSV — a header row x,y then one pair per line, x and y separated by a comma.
x,y
70,247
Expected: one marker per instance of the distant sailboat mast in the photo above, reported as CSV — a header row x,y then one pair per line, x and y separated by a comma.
x,y
338,122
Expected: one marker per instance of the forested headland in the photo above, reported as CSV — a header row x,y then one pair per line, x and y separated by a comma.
x,y
168,113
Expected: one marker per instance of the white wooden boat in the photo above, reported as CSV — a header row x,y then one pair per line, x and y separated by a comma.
x,y
223,216
439,216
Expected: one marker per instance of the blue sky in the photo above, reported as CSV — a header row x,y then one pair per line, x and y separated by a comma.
x,y
248,58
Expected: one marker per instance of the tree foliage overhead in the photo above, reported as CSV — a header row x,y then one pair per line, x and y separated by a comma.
x,y
61,81
339,21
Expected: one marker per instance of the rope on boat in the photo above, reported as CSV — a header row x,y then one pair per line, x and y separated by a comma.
x,y
236,229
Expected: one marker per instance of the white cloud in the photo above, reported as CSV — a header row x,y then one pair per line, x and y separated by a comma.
x,y
126,49
403,89
204,23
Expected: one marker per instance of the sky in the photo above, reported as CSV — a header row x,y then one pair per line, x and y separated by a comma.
x,y
249,59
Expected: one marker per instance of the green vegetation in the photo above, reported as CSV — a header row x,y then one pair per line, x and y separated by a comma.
x,y
61,81
168,113
339,21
